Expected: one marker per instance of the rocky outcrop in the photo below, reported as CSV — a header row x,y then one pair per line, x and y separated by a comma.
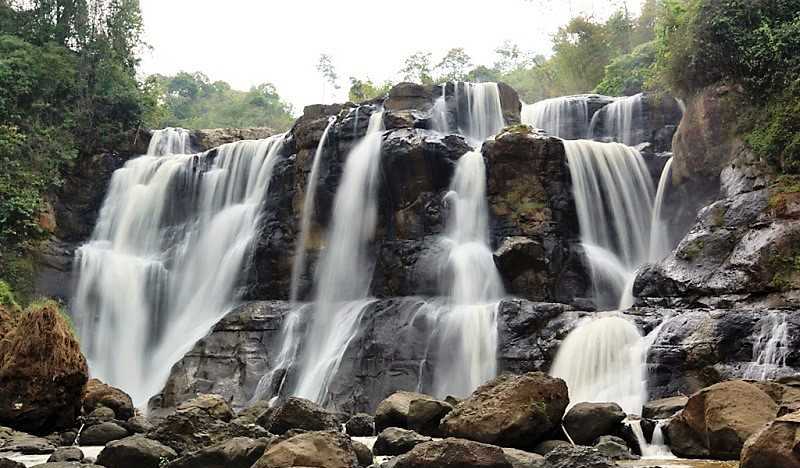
x,y
528,187
585,422
774,445
312,449
204,140
718,420
512,411
453,453
42,373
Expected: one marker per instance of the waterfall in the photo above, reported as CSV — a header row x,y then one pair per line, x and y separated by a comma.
x,y
616,121
299,263
770,348
467,355
655,450
613,198
345,270
660,244
602,360
169,141
564,117
169,249
483,115
440,112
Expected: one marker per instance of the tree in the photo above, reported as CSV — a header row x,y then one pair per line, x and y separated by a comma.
x,y
510,57
364,90
454,65
417,68
328,71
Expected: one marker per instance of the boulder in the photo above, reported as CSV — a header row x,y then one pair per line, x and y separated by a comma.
x,y
774,445
614,448
206,139
510,103
393,411
312,449
363,454
190,431
396,441
239,452
408,96
66,454
213,405
522,459
101,434
100,415
258,411
360,425
546,446
135,452
425,415
42,373
97,394
573,457
718,420
137,425
299,413
512,410
585,422
453,453
664,408
27,444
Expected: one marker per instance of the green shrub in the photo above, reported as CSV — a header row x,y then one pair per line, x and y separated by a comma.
x,y
776,132
7,296
626,75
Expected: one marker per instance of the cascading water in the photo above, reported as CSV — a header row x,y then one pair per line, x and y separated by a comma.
x,y
169,141
564,117
660,243
299,264
467,351
482,115
613,198
617,120
168,251
770,349
657,449
345,269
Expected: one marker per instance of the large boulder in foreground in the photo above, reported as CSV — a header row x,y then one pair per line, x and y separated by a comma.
x,y
574,457
718,420
135,452
397,441
311,449
777,444
585,422
512,411
239,452
394,410
299,413
42,373
453,453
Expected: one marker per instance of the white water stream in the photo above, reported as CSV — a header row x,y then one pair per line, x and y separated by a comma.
x,y
170,247
618,120
564,117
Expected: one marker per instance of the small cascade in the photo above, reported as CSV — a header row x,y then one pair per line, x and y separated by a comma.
x,y
299,263
770,349
657,449
345,270
467,352
564,117
602,360
168,252
660,244
480,113
613,197
440,122
169,141
617,121
267,386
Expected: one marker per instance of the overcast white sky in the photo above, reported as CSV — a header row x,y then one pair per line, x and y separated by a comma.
x,y
247,42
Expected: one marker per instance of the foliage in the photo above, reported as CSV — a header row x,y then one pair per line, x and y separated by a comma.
x,y
364,90
417,68
192,100
776,134
7,296
627,74
454,65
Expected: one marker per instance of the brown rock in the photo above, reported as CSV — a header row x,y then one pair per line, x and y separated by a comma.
x,y
213,405
299,413
453,453
664,408
393,411
511,411
775,445
585,422
99,394
312,449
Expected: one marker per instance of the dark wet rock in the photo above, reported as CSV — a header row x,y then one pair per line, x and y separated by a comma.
x,y
545,447
405,96
137,425
100,415
718,420
534,221
664,408
360,425
312,449
396,441
774,445
101,434
135,452
614,448
585,422
97,394
239,452
512,411
66,454
299,413
510,103
571,457
453,453
26,444
190,431
363,454
522,459
308,129
231,359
